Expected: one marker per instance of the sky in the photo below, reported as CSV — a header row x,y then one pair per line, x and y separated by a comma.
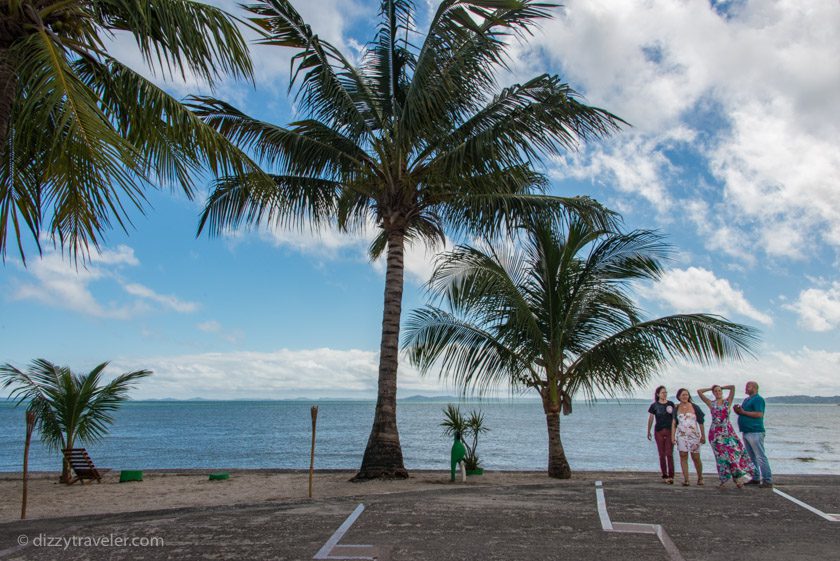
x,y
732,152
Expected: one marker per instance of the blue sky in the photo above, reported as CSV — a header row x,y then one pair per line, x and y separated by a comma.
x,y
732,154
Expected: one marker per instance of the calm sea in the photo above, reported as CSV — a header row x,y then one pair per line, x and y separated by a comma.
x,y
276,434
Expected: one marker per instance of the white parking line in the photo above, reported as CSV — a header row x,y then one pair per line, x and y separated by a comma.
x,y
632,528
818,512
332,543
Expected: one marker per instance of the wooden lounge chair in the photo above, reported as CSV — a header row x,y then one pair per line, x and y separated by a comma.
x,y
82,465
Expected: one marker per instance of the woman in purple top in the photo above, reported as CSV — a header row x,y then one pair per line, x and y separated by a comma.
x,y
662,411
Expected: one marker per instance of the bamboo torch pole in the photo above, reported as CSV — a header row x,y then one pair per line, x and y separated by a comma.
x,y
30,424
314,412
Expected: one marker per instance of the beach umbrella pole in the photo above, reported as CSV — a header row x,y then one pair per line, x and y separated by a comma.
x,y
314,412
30,424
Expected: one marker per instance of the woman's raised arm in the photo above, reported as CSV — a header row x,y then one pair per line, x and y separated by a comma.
x,y
702,394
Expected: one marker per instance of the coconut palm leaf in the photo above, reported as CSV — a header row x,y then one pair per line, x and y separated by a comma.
x,y
550,310
82,137
68,406
415,140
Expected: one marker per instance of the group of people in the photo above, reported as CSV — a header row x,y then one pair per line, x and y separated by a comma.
x,y
682,425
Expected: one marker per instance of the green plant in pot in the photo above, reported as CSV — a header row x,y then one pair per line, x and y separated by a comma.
x,y
469,427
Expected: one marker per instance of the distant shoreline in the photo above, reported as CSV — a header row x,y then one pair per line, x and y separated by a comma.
x,y
783,399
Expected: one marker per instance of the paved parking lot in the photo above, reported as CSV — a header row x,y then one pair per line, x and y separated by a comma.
x,y
554,521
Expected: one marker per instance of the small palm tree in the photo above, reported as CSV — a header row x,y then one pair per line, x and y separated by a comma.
x,y
68,406
81,134
416,139
554,314
467,428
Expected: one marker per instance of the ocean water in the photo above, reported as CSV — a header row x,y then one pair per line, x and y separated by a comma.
x,y
276,434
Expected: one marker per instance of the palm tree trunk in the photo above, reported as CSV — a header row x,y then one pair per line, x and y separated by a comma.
x,y
66,476
383,456
558,465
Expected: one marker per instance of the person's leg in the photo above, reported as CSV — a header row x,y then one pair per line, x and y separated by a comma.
x,y
698,466
684,466
660,447
754,442
748,446
669,454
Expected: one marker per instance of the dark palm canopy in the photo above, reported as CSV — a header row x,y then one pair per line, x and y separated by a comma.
x,y
81,134
416,138
554,313
68,406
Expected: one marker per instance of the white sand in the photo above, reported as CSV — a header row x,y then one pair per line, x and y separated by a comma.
x,y
164,490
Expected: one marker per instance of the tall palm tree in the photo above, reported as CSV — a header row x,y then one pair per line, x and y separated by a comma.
x,y
68,406
553,313
418,140
81,134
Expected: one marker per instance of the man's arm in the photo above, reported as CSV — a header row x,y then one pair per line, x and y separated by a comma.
x,y
753,414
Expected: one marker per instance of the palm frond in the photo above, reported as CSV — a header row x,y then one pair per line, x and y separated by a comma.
x,y
175,143
388,57
180,36
550,309
307,148
289,201
471,358
457,63
521,123
68,406
88,172
329,87
633,355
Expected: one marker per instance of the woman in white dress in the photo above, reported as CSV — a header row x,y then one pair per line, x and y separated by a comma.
x,y
687,433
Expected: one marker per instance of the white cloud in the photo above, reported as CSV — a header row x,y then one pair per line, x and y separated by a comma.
x,y
818,308
695,290
57,282
327,241
330,243
326,372
213,326
167,301
281,374
636,166
717,233
777,372
759,82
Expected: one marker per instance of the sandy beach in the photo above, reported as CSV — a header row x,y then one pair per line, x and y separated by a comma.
x,y
192,488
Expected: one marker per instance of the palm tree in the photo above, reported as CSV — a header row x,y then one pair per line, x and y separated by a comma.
x,y
68,406
553,313
418,140
81,134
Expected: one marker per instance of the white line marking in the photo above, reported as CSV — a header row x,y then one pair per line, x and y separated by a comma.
x,y
818,512
602,507
324,552
634,528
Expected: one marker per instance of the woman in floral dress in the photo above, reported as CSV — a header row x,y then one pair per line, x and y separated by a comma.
x,y
687,434
731,459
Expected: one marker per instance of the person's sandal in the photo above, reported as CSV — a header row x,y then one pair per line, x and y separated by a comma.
x,y
669,481
700,481
686,483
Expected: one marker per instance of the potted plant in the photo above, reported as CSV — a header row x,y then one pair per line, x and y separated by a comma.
x,y
469,427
